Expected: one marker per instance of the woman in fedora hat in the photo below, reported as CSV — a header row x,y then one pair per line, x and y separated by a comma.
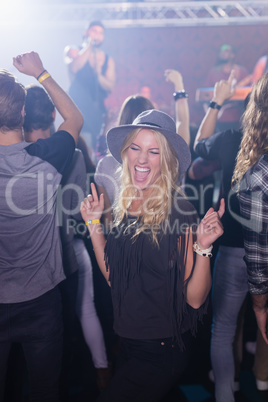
x,y
159,285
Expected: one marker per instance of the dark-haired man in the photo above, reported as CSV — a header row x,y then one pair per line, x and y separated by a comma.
x,y
30,257
40,114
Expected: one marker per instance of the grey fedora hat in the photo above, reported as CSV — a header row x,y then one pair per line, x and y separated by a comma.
x,y
154,120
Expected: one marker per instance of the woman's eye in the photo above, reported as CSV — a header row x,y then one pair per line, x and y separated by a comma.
x,y
134,148
154,152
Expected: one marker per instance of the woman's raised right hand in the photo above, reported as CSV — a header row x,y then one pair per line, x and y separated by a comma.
x,y
92,206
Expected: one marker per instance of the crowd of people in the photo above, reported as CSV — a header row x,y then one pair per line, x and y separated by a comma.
x,y
137,220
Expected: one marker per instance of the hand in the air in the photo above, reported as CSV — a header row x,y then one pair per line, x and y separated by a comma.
x,y
92,206
210,227
224,89
29,64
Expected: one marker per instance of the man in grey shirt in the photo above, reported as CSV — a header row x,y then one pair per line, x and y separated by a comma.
x,y
30,256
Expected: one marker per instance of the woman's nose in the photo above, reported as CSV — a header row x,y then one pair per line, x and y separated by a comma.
x,y
142,157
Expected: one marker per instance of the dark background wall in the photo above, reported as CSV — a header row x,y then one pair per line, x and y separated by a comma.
x,y
141,55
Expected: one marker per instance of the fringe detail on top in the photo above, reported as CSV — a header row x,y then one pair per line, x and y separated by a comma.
x,y
184,317
124,257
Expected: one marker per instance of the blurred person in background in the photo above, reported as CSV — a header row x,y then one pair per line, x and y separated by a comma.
x,y
92,74
230,114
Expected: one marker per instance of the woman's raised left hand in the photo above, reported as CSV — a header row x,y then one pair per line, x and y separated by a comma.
x,y
210,227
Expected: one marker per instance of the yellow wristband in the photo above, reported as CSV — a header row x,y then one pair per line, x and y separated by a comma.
x,y
94,222
43,77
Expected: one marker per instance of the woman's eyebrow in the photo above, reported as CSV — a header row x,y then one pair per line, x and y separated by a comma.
x,y
136,145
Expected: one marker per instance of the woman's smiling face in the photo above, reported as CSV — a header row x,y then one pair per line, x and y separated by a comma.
x,y
143,157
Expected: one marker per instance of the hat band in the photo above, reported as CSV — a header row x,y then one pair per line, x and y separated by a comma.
x,y
149,124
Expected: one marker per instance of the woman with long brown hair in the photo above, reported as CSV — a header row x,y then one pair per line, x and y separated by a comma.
x,y
251,178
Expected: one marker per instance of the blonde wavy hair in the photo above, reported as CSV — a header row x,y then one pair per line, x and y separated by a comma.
x,y
156,208
255,128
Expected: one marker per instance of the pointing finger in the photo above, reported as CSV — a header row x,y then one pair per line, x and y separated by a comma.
x,y
94,192
231,77
102,201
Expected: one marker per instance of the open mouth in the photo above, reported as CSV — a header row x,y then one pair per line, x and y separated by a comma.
x,y
141,173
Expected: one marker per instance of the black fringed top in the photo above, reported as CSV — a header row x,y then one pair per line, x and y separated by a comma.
x,y
147,281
